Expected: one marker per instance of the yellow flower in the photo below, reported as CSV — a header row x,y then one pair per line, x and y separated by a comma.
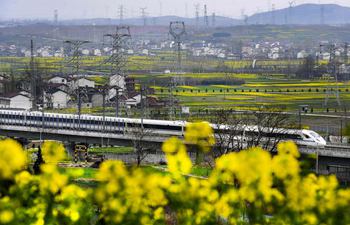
x,y
23,178
173,145
6,216
53,151
180,163
200,134
12,158
288,147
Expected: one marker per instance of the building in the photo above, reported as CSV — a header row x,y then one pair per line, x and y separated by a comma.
x,y
97,99
17,101
56,99
84,82
117,80
58,80
133,100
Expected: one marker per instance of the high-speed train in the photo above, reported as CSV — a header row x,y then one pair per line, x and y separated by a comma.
x,y
91,123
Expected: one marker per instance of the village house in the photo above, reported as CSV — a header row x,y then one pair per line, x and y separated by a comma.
x,y
56,99
16,101
58,80
83,82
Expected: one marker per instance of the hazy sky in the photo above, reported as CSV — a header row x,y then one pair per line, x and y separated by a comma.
x,y
68,9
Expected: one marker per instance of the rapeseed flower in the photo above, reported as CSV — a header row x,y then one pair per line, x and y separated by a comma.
x,y
201,134
12,158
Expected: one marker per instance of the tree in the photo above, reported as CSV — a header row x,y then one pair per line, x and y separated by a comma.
x,y
142,148
262,127
38,162
228,128
307,69
235,132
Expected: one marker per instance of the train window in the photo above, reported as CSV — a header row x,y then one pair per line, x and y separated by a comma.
x,y
307,136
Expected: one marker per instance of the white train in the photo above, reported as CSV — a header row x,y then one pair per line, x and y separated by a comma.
x,y
159,127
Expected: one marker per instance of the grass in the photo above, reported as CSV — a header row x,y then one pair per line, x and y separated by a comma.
x,y
114,150
80,173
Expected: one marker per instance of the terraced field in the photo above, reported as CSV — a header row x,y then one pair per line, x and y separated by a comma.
x,y
260,91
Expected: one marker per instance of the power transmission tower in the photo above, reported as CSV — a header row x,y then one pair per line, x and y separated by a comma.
x,y
273,8
75,47
213,20
197,14
118,59
322,14
290,12
144,16
206,20
55,17
244,17
121,13
332,71
346,50
33,77
177,30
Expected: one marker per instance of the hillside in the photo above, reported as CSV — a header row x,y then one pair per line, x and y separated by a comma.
x,y
306,14
158,21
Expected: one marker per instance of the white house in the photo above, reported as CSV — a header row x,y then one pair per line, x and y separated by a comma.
x,y
117,80
84,82
59,99
58,80
133,101
302,54
4,102
19,101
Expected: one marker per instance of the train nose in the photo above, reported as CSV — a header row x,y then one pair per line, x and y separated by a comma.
x,y
322,141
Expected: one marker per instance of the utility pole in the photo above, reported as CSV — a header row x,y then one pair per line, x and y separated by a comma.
x,y
142,89
33,77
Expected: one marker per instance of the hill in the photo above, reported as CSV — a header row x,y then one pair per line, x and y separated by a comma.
x,y
158,21
305,14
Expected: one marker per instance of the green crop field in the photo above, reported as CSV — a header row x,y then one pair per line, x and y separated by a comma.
x,y
258,91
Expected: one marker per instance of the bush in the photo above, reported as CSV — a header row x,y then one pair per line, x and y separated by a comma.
x,y
248,187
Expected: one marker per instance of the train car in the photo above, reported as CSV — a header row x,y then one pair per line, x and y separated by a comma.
x,y
91,123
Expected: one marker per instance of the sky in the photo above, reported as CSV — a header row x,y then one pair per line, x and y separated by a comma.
x,y
73,9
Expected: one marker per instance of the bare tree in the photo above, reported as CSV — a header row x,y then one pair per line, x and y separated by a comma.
x,y
142,148
266,128
228,130
236,132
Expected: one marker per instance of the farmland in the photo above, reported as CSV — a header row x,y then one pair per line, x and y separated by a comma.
x,y
258,91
